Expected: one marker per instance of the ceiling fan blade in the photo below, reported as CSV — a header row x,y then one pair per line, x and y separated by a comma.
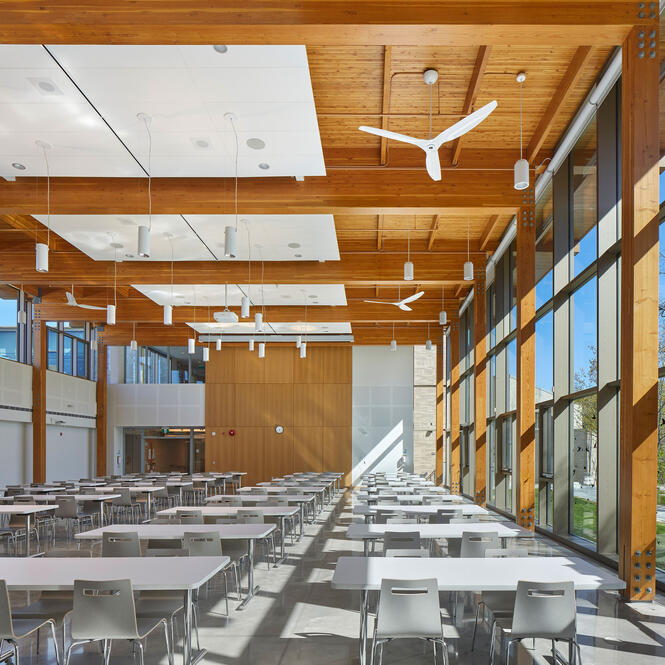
x,y
433,164
70,299
421,143
380,302
403,307
90,307
465,124
415,296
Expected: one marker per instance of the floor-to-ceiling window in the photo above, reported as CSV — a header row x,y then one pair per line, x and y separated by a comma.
x,y
660,515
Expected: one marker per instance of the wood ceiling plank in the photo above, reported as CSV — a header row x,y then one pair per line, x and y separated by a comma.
x,y
489,231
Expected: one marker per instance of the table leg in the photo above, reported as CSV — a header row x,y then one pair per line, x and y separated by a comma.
x,y
302,519
366,546
27,534
148,505
101,513
187,639
251,589
363,626
282,523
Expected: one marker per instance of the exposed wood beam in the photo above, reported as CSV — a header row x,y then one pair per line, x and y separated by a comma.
x,y
100,435
433,232
441,407
379,232
489,231
385,120
357,191
480,389
472,93
318,22
569,80
39,364
455,457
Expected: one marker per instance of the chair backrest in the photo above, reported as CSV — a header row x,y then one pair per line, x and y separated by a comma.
x,y
445,515
68,554
401,540
165,551
67,508
6,627
25,499
206,543
409,608
383,515
231,500
125,498
191,519
103,610
117,544
544,609
250,516
475,543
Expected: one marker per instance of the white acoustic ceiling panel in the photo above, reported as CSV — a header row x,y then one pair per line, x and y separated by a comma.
x,y
39,102
201,237
213,295
284,328
187,90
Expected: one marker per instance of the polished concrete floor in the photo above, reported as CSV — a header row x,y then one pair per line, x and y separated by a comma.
x,y
297,619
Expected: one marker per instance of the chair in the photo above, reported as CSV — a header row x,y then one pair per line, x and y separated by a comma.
x,y
190,516
475,543
120,544
445,515
230,501
208,543
173,492
542,610
408,609
104,611
401,540
253,516
13,630
125,504
499,603
289,522
68,510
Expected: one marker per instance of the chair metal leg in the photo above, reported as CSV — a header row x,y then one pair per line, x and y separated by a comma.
x,y
55,641
140,650
169,646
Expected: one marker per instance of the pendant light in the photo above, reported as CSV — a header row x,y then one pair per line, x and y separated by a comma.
x,y
303,350
41,249
191,342
521,168
468,266
21,316
110,309
258,316
168,309
443,317
206,353
244,302
93,340
144,231
218,343
408,266
393,341
251,344
133,344
230,232
258,321
262,349
428,343
298,341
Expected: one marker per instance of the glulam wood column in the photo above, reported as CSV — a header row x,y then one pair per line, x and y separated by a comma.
x,y
480,391
39,364
638,455
440,408
101,410
525,476
455,461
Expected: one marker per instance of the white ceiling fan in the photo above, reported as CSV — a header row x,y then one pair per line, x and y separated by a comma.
x,y
402,304
431,146
71,301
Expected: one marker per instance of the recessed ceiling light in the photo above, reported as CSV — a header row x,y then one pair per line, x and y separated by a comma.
x,y
221,48
256,144
201,143
129,256
312,296
298,256
18,167
117,245
263,166
45,86
294,245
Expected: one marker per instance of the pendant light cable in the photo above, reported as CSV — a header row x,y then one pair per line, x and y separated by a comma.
x,y
521,121
48,194
115,279
146,122
235,133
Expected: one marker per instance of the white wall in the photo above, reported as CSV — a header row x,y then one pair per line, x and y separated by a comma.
x,y
70,453
382,417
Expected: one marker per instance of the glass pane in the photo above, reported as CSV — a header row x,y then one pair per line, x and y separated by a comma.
x,y
52,350
74,328
585,204
491,314
545,358
544,248
491,436
661,295
546,440
492,385
584,312
660,524
513,286
507,443
511,388
130,365
67,354
584,445
163,369
81,359
8,322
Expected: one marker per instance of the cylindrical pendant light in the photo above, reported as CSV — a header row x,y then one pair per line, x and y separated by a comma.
x,y
244,307
251,345
206,354
191,346
303,350
428,344
298,341
93,344
443,317
168,315
262,350
218,344
22,317
258,321
41,257
110,314
408,271
393,345
144,242
521,168
133,345
468,266
230,248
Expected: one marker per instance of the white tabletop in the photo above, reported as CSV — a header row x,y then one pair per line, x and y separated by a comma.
x,y
355,572
146,574
26,509
430,509
77,497
176,531
252,498
134,489
447,531
281,488
168,483
225,511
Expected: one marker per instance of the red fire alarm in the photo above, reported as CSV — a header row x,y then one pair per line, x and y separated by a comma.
x,y
232,432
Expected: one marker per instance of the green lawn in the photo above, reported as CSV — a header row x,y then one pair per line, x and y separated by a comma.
x,y
584,518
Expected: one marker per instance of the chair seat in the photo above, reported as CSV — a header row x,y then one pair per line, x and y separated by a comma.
x,y
23,627
45,608
159,607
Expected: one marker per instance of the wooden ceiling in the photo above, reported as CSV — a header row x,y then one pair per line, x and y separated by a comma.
x,y
365,69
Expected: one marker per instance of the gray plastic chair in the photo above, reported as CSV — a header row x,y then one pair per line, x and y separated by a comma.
x,y
408,609
444,515
499,603
543,610
401,540
68,510
190,516
104,611
13,630
254,516
230,501
119,544
475,543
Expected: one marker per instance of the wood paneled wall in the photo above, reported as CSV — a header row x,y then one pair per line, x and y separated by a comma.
x,y
309,397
